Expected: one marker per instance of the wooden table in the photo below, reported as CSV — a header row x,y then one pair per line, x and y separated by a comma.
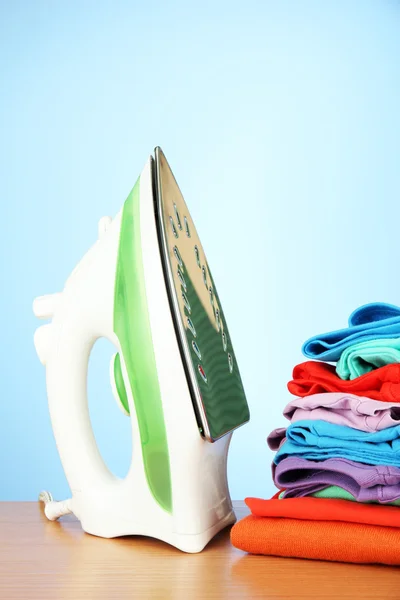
x,y
41,559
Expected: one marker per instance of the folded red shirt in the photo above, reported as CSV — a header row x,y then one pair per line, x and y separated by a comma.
x,y
326,509
312,377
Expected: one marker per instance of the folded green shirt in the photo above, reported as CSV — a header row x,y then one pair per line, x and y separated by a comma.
x,y
334,491
338,493
366,356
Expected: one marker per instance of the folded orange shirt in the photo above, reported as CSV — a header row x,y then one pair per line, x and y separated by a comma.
x,y
313,377
323,540
326,509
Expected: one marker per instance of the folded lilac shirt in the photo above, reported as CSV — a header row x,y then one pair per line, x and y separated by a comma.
x,y
339,408
300,477
344,409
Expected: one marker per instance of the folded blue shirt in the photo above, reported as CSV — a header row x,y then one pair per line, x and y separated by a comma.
x,y
369,322
320,440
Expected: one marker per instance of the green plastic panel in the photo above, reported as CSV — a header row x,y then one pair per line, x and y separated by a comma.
x,y
132,327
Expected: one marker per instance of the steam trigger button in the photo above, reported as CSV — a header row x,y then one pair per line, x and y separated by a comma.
x,y
118,384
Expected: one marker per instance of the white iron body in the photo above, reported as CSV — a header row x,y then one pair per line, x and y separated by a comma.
x,y
82,313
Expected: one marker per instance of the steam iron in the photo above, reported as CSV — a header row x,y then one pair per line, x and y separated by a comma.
x,y
147,287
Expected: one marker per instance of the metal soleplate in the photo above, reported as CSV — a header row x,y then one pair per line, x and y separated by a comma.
x,y
213,376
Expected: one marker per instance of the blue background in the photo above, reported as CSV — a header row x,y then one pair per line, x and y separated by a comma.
x,y
281,123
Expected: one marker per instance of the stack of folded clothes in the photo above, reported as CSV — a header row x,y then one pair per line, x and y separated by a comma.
x,y
337,465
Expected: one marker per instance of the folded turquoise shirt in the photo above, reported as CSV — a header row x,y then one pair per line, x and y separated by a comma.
x,y
366,356
369,322
320,440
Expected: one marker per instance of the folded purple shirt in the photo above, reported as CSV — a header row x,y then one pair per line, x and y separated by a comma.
x,y
344,409
300,477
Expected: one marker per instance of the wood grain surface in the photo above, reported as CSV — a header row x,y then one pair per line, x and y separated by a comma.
x,y
41,559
